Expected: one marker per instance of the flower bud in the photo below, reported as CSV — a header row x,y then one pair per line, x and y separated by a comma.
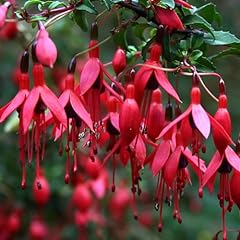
x,y
119,61
41,194
46,50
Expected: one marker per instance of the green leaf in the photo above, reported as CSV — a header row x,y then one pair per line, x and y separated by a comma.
x,y
29,3
81,20
222,38
139,30
56,4
198,21
196,54
120,39
87,6
197,41
209,13
225,53
168,3
107,3
204,64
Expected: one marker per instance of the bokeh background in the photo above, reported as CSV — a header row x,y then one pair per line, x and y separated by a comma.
x,y
201,218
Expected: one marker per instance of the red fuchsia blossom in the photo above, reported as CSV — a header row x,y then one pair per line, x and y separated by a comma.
x,y
197,123
92,85
39,99
76,113
16,104
234,187
224,159
149,78
168,18
46,51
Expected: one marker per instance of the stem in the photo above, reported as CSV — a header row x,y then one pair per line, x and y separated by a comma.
x,y
95,46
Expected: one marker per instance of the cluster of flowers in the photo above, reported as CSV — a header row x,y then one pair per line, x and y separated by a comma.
x,y
127,118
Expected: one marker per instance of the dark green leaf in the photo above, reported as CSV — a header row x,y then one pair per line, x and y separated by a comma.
x,y
139,30
196,54
225,53
209,13
222,38
120,39
204,64
198,21
87,6
29,3
166,47
56,4
81,20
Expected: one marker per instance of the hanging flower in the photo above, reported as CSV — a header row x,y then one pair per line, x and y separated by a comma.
x,y
76,113
168,18
224,159
16,104
149,77
46,51
39,99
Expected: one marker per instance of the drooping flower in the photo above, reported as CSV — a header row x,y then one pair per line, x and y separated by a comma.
x,y
168,18
224,159
46,51
76,113
199,121
92,85
39,99
16,104
150,77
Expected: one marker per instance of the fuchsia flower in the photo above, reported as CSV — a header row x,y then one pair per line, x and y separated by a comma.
x,y
46,50
197,122
92,85
168,18
39,99
16,104
149,77
224,159
76,113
